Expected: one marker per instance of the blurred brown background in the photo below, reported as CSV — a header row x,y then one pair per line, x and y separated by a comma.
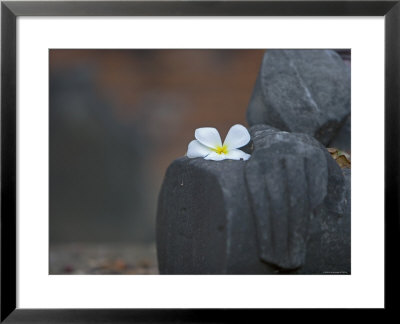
x,y
118,118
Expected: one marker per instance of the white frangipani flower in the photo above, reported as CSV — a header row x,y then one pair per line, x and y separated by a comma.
x,y
208,144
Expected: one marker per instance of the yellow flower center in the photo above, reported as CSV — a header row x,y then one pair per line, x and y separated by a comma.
x,y
221,149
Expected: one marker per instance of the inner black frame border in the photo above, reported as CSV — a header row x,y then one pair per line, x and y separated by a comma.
x,y
10,10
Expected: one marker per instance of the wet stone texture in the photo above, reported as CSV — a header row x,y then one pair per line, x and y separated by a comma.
x,y
303,91
285,210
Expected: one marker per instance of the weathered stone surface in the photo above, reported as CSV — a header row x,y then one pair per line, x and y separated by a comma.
x,y
330,238
204,223
342,139
285,210
289,177
304,91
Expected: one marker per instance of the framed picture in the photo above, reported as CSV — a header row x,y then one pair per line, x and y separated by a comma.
x,y
100,101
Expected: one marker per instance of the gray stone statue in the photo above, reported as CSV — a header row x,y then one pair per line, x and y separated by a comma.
x,y
304,91
286,209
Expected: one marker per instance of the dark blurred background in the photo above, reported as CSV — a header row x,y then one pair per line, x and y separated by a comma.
x,y
118,118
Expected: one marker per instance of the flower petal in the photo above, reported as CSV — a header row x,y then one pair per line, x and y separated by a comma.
x,y
238,136
236,154
196,149
215,156
208,136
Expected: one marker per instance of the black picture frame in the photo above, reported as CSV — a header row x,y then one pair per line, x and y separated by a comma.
x,y
10,10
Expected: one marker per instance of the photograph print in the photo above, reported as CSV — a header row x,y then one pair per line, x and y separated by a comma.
x,y
200,161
